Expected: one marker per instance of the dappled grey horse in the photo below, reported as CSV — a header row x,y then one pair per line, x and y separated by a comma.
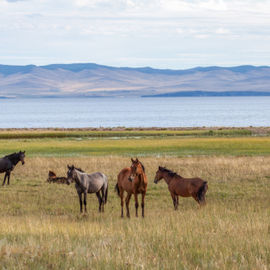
x,y
8,163
89,183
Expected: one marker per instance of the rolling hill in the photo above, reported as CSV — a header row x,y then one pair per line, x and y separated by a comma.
x,y
92,80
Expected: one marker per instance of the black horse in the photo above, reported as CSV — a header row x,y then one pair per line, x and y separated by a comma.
x,y
8,163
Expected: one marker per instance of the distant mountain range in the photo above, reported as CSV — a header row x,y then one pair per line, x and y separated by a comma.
x,y
92,80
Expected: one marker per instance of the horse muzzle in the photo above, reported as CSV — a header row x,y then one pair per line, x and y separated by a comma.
x,y
23,162
69,181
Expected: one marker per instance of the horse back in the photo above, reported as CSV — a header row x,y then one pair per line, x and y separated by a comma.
x,y
94,181
186,186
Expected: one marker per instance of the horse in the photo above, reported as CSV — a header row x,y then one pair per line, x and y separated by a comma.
x,y
185,187
89,183
8,163
53,178
133,180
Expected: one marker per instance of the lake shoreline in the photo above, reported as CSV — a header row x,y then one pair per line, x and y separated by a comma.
x,y
250,128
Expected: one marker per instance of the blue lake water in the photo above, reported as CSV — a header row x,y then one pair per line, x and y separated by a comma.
x,y
135,112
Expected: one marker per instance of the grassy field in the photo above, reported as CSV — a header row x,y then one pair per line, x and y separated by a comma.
x,y
141,146
41,228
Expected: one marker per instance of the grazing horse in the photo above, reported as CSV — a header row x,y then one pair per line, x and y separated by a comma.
x,y
185,187
53,178
8,163
89,183
133,180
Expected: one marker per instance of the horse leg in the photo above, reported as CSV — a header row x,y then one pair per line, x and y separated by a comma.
x,y
174,200
136,203
103,198
143,196
122,202
127,203
84,201
8,178
80,199
99,200
4,179
177,202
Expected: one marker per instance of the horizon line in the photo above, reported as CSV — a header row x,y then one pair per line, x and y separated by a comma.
x,y
138,67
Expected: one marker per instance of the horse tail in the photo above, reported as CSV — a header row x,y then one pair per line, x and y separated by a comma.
x,y
116,188
106,193
201,192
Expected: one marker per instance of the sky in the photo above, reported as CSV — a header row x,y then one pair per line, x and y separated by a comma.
x,y
175,34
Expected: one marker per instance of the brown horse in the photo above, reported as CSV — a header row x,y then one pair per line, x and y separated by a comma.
x,y
133,180
185,187
53,178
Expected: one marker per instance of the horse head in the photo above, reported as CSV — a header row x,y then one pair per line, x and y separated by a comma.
x,y
71,174
22,156
136,169
51,176
159,175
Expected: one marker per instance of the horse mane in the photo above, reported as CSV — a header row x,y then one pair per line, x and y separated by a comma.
x,y
79,169
171,173
11,155
143,167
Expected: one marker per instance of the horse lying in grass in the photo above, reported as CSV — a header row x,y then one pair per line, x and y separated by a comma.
x,y
89,183
185,187
52,178
133,180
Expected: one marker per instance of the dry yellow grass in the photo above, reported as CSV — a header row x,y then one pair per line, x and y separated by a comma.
x,y
41,228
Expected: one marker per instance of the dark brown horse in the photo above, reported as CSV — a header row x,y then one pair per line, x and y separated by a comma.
x,y
133,180
52,178
185,187
8,163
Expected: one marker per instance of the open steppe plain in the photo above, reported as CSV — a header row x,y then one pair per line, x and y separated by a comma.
x,y
40,224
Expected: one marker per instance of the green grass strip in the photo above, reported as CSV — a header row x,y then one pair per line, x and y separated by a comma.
x,y
171,146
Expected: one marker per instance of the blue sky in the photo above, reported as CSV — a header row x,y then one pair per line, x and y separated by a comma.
x,y
159,33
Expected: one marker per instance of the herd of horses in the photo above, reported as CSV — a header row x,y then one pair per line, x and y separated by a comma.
x,y
132,180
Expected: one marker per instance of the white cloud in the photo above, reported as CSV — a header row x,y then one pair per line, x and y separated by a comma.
x,y
223,31
201,36
107,30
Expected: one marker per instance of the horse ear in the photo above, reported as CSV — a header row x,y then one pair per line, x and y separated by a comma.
x,y
159,167
68,167
23,152
132,160
137,160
